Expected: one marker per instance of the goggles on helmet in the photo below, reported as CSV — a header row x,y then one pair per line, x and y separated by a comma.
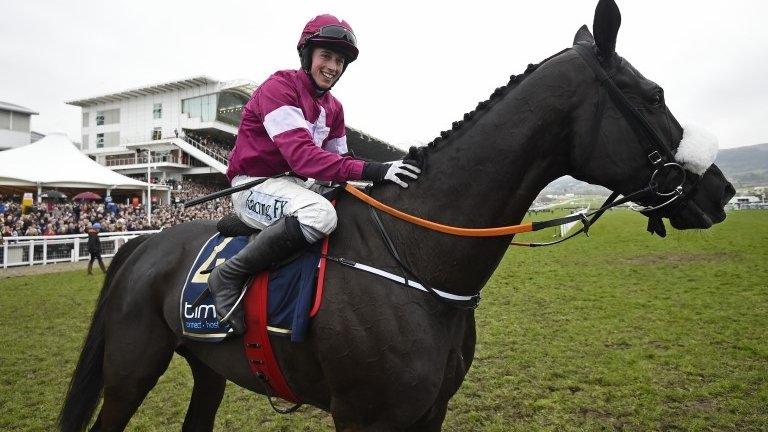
x,y
335,32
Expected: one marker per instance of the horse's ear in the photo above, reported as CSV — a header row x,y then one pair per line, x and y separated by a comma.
x,y
606,26
583,35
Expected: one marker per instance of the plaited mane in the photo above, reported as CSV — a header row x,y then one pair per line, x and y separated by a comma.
x,y
482,107
418,154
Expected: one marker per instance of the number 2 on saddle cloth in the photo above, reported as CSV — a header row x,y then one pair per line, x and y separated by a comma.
x,y
292,297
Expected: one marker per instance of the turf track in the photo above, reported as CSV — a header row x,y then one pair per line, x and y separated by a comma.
x,y
618,331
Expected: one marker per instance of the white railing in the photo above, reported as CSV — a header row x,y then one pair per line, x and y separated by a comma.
x,y
567,227
37,250
207,150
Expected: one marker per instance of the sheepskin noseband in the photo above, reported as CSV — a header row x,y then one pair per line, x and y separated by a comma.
x,y
697,150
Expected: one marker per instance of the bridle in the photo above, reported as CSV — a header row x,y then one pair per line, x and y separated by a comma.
x,y
658,153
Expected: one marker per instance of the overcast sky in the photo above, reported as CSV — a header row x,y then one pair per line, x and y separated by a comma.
x,y
422,65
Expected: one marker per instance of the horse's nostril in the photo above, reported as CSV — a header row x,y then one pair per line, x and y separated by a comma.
x,y
728,193
719,217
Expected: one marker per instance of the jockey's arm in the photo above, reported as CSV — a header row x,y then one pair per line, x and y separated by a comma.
x,y
287,127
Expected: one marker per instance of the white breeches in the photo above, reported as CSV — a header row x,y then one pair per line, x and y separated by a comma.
x,y
267,202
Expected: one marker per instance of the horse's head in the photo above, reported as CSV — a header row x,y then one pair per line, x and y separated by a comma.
x,y
627,139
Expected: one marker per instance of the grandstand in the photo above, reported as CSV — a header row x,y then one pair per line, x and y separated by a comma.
x,y
746,203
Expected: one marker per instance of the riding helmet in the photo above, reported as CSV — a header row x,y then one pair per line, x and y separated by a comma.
x,y
329,32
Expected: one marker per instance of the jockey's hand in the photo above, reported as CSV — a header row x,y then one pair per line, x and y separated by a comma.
x,y
398,172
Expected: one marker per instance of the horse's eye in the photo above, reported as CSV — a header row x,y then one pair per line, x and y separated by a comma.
x,y
658,98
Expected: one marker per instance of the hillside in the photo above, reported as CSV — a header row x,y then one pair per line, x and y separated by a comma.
x,y
745,166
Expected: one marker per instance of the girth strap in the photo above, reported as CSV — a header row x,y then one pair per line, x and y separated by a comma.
x,y
258,348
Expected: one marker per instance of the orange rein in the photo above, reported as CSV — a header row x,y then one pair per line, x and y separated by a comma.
x,y
447,229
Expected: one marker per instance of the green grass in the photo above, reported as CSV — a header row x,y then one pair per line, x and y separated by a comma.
x,y
619,331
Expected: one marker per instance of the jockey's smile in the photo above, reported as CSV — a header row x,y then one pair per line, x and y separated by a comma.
x,y
327,67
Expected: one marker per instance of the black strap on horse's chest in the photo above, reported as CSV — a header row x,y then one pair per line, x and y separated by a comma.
x,y
407,273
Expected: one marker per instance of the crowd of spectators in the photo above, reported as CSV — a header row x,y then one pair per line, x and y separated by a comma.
x,y
49,219
215,147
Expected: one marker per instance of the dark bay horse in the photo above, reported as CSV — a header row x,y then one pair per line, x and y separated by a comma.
x,y
379,356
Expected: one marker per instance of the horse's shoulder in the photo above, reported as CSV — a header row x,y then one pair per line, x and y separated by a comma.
x,y
347,206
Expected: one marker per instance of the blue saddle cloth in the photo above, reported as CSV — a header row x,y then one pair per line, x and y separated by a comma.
x,y
290,297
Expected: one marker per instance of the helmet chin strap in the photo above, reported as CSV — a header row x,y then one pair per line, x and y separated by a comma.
x,y
319,91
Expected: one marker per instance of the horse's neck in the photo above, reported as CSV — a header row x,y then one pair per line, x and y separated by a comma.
x,y
486,175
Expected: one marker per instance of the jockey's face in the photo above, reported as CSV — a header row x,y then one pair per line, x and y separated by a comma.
x,y
326,67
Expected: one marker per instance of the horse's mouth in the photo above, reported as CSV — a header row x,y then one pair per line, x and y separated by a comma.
x,y
693,215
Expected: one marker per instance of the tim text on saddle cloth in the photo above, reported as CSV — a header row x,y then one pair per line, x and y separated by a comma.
x,y
293,123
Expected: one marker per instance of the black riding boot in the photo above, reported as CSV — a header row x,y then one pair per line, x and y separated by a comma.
x,y
272,246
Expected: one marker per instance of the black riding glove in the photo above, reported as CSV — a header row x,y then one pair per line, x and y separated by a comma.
x,y
397,172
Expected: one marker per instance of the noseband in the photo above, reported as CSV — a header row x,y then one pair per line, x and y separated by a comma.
x,y
653,185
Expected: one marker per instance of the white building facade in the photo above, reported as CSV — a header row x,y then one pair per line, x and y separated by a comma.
x,y
179,124
14,125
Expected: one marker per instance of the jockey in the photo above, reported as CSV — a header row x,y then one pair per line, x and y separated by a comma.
x,y
292,123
